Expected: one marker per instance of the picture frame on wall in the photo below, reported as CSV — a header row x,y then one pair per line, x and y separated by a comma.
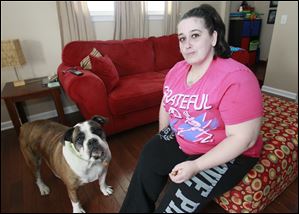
x,y
273,3
271,17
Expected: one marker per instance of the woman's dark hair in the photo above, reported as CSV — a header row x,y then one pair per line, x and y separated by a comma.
x,y
212,22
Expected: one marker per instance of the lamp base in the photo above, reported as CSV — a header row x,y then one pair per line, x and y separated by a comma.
x,y
18,83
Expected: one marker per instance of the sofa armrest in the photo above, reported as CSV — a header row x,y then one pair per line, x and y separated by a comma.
x,y
87,91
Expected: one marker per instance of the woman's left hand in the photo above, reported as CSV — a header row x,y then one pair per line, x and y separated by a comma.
x,y
183,171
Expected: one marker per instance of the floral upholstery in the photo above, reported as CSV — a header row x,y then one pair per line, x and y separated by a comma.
x,y
278,164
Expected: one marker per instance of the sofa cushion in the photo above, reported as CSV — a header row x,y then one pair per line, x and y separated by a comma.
x,y
136,92
85,63
167,51
104,68
278,164
130,56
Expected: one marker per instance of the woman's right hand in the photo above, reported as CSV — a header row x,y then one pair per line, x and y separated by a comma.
x,y
183,171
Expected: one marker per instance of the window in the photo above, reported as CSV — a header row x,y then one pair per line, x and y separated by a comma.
x,y
104,10
156,10
156,7
101,10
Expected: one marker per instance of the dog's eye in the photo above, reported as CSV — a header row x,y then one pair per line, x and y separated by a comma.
x,y
80,138
96,131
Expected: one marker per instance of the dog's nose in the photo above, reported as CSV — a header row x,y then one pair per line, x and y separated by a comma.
x,y
96,151
93,144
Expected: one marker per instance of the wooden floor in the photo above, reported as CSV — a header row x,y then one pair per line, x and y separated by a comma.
x,y
20,194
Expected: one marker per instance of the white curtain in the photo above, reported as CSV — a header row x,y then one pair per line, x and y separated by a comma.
x,y
171,17
74,21
131,20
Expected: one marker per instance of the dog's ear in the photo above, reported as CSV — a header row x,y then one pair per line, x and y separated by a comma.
x,y
68,135
100,119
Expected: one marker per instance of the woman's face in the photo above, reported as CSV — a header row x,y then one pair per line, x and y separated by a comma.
x,y
196,44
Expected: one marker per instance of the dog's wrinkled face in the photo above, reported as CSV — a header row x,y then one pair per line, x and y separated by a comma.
x,y
89,140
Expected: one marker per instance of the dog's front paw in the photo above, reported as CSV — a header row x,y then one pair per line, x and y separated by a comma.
x,y
77,208
43,188
106,190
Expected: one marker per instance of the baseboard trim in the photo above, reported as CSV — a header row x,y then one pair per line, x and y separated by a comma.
x,y
280,92
46,115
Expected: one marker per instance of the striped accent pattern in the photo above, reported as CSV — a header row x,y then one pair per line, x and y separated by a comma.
x,y
85,63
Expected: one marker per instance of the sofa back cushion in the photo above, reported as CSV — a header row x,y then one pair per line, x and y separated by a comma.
x,y
167,51
129,56
104,68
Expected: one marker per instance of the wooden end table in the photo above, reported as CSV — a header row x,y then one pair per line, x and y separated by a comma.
x,y
14,96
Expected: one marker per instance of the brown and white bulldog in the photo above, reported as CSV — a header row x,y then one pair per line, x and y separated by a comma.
x,y
77,155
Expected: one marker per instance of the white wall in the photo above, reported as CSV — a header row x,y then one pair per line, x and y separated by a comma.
x,y
36,25
104,30
282,67
267,29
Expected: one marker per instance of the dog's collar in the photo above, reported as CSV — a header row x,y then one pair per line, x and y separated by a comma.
x,y
70,146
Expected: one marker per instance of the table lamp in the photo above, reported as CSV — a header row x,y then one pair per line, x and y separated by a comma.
x,y
12,56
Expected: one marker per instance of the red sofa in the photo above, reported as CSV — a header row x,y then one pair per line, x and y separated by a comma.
x,y
141,65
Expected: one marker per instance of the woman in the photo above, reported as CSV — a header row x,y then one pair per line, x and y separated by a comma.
x,y
209,123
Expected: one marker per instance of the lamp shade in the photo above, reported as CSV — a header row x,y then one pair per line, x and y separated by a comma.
x,y
11,53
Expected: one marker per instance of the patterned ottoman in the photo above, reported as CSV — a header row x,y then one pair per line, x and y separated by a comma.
x,y
278,164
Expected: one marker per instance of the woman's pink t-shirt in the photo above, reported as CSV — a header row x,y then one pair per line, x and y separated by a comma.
x,y
228,93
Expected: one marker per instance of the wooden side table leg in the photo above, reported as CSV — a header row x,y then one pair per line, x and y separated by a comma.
x,y
13,115
59,107
21,111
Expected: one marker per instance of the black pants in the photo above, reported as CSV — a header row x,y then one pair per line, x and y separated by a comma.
x,y
157,159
